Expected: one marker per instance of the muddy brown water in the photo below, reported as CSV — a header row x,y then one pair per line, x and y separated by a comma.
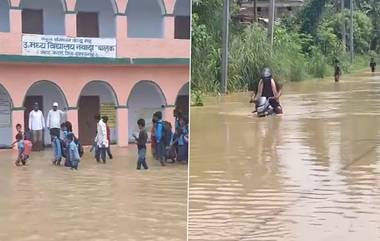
x,y
312,174
112,202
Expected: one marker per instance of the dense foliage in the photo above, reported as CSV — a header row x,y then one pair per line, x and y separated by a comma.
x,y
306,45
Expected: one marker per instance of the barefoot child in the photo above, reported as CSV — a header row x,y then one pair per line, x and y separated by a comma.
x,y
141,145
73,152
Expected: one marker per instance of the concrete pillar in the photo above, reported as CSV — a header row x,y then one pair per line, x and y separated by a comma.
x,y
15,19
71,24
72,116
169,26
122,126
121,27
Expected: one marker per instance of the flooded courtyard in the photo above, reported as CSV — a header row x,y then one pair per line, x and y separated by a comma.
x,y
312,174
112,202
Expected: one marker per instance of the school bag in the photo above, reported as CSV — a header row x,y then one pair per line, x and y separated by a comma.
x,y
79,146
28,147
166,133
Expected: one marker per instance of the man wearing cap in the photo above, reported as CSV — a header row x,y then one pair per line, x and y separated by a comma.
x,y
54,121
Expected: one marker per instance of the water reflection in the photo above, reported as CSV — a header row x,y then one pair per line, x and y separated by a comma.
x,y
99,202
312,174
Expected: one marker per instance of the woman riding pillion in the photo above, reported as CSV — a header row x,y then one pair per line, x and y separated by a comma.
x,y
268,88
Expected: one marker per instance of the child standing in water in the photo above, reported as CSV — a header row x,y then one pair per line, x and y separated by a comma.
x,y
24,147
105,120
141,145
73,152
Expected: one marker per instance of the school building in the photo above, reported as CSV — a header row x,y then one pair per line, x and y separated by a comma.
x,y
122,58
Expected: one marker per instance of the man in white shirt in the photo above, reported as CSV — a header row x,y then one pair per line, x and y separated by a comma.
x,y
36,126
54,121
101,141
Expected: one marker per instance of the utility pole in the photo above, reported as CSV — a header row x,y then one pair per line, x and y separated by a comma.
x,y
352,31
344,42
255,11
225,54
271,22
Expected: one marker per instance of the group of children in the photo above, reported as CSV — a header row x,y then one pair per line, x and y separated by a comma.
x,y
167,145
68,148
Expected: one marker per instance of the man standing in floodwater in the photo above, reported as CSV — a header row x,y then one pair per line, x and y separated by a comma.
x,y
372,64
36,126
101,141
338,71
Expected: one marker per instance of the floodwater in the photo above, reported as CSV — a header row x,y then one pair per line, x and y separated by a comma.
x,y
112,202
312,174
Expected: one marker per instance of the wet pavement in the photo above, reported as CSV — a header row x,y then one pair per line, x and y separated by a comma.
x,y
312,174
112,202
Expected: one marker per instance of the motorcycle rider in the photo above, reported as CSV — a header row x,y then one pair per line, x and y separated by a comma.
x,y
269,88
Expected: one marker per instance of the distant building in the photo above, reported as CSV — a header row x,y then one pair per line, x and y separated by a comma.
x,y
282,8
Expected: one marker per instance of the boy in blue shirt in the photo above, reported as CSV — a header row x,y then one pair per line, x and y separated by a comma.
x,y
160,146
73,152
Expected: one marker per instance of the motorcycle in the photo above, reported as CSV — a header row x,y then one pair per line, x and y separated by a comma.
x,y
263,107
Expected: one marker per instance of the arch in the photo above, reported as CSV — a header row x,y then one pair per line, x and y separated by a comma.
x,y
152,83
182,8
53,14
44,92
183,99
106,10
145,98
4,16
103,83
96,97
145,18
5,117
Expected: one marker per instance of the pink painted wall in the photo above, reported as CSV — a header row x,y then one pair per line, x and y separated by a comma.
x,y
167,47
121,78
17,79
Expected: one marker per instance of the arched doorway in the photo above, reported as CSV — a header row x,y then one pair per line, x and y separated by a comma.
x,y
4,16
45,93
182,101
145,19
97,97
5,118
145,98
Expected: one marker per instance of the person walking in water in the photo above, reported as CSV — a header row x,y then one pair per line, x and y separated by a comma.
x,y
338,71
53,123
372,64
101,141
36,126
141,145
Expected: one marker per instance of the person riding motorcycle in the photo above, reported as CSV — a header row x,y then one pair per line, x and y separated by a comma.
x,y
269,88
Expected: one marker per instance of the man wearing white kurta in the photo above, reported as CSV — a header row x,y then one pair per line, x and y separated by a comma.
x,y
36,126
54,121
101,141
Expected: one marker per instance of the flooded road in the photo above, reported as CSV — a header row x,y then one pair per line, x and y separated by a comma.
x,y
312,174
112,202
